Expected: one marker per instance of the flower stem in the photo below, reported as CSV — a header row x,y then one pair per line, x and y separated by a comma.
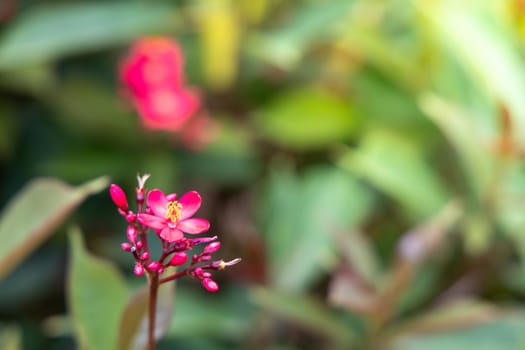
x,y
152,311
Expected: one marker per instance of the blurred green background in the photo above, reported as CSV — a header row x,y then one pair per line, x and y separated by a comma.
x,y
368,167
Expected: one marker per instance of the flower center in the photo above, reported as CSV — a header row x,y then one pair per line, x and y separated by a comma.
x,y
174,211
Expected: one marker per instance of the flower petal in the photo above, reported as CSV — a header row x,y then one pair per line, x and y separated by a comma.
x,y
157,202
191,202
195,225
171,234
171,197
152,221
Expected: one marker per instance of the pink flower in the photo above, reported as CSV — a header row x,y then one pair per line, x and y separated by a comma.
x,y
171,217
167,109
152,62
153,76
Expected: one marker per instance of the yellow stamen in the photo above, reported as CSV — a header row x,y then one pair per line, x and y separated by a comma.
x,y
174,211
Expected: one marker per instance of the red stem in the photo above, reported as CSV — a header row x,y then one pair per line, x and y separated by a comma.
x,y
152,310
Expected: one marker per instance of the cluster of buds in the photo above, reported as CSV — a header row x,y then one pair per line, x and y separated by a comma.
x,y
170,218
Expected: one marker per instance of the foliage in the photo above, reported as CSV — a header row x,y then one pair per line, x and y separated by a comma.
x,y
366,163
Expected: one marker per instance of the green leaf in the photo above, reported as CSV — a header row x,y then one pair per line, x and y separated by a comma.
x,y
227,315
307,312
105,119
10,338
452,315
306,119
397,167
286,46
466,135
50,32
35,213
97,294
486,48
133,333
505,332
302,219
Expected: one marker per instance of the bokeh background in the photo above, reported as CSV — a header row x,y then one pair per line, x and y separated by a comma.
x,y
366,162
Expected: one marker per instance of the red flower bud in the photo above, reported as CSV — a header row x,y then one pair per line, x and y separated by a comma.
x,y
131,217
131,232
178,259
126,247
153,266
198,272
138,270
139,245
210,285
118,196
211,248
144,256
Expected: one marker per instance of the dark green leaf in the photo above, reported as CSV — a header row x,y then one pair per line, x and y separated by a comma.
x,y
307,119
303,218
97,294
49,32
35,213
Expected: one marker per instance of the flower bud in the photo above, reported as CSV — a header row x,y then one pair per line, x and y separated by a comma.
x,y
211,248
153,266
118,196
139,245
126,247
206,257
178,259
144,256
160,270
131,217
198,272
131,232
138,270
210,285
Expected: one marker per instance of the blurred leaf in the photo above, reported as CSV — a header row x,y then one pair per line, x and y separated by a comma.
x,y
306,119
232,167
286,46
227,315
348,290
307,312
34,281
97,295
358,251
451,316
466,137
10,338
36,79
398,168
505,332
8,131
254,11
302,218
133,334
385,106
220,33
35,213
413,276
90,109
49,32
486,49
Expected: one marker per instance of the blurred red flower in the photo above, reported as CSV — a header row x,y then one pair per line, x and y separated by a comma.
x,y
153,77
